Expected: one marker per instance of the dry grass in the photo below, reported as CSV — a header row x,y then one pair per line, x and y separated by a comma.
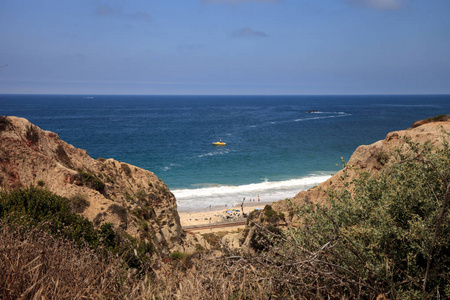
x,y
36,265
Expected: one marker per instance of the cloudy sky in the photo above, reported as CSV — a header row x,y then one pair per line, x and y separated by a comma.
x,y
225,47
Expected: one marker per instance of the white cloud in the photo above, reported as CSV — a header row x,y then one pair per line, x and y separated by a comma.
x,y
106,10
247,32
380,4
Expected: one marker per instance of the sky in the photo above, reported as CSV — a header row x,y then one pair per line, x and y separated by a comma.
x,y
225,47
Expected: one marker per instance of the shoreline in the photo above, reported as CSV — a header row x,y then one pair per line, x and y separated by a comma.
x,y
216,215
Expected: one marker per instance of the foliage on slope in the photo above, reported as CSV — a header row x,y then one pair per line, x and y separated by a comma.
x,y
391,234
34,207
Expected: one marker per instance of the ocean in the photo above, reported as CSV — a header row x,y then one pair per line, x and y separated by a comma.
x,y
275,147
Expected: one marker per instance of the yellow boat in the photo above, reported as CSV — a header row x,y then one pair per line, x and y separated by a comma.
x,y
219,143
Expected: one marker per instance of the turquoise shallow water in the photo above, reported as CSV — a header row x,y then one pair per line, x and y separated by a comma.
x,y
275,147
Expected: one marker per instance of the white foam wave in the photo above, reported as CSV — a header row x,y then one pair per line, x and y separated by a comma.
x,y
330,112
213,153
220,195
167,168
327,117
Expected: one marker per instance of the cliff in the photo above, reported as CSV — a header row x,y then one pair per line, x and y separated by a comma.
x,y
103,190
372,157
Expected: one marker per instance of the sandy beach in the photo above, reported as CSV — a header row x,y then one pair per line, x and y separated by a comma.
x,y
217,216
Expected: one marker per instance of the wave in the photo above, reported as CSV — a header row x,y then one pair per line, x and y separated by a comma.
x,y
327,117
220,195
217,152
329,112
167,168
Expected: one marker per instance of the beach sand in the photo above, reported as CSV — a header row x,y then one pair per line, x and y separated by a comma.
x,y
217,216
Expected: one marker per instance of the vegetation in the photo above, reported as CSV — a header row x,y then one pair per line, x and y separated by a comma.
x,y
126,169
36,265
272,216
91,181
32,134
78,203
62,156
386,235
120,211
38,208
432,119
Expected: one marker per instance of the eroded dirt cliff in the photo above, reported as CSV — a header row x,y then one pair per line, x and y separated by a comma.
x,y
103,190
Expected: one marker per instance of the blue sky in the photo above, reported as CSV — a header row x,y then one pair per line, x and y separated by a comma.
x,y
225,47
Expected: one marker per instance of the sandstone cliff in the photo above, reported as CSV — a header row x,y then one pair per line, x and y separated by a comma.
x,y
372,157
103,190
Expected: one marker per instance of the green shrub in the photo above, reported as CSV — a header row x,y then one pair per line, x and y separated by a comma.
x,y
141,195
4,123
271,215
32,134
177,255
78,203
32,207
126,169
389,231
62,156
90,180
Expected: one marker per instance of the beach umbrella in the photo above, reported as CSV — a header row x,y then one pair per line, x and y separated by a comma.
x,y
229,212
258,208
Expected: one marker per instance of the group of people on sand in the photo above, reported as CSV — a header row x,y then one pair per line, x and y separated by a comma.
x,y
254,199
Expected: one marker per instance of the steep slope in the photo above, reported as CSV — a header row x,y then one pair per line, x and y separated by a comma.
x,y
103,190
371,157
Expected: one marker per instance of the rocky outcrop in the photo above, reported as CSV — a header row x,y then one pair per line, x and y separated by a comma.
x,y
370,157
103,190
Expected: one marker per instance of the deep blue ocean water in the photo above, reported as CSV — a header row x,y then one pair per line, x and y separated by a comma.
x,y
275,147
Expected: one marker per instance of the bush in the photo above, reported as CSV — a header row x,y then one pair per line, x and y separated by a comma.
x,y
272,216
62,156
389,232
178,256
35,265
4,123
33,207
91,181
32,134
78,203
120,211
126,169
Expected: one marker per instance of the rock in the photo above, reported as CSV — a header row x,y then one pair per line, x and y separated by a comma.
x,y
129,197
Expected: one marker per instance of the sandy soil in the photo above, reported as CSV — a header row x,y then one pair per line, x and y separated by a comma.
x,y
215,216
